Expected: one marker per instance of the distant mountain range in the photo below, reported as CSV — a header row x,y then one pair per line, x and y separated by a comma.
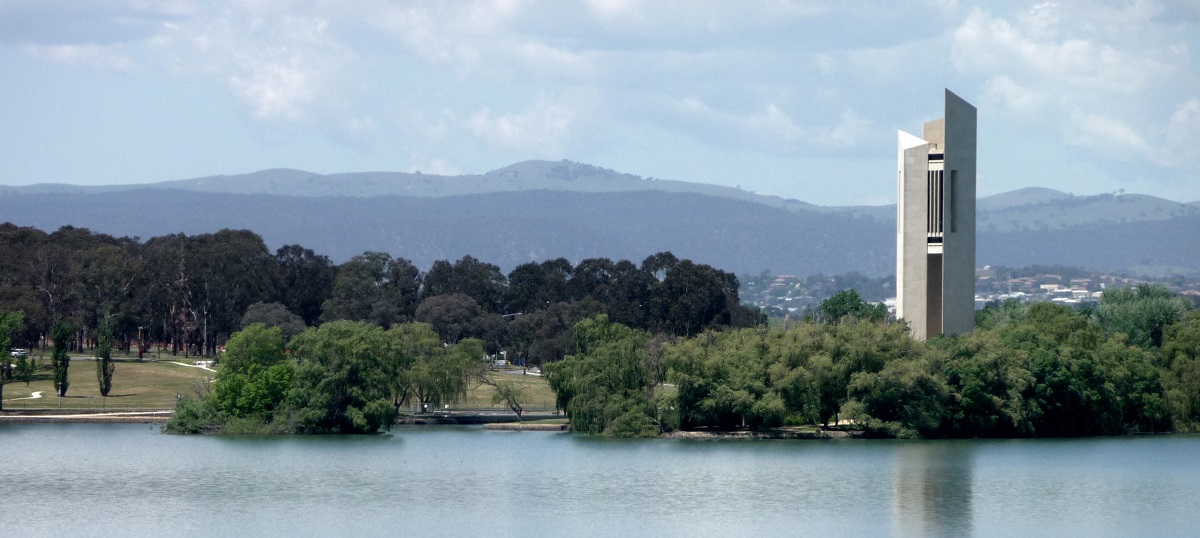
x,y
538,210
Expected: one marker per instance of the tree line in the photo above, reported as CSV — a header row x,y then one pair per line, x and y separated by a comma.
x,y
1130,364
192,293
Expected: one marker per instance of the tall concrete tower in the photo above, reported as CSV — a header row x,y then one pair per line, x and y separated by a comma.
x,y
935,224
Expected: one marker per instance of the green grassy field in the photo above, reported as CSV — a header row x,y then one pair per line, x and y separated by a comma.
x,y
537,392
153,384
136,385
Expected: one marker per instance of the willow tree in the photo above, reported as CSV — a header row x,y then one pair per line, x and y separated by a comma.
x,y
437,374
345,376
606,387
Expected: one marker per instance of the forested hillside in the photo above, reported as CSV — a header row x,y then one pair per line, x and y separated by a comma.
x,y
505,228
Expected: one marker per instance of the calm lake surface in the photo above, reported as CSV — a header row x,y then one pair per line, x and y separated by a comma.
x,y
91,480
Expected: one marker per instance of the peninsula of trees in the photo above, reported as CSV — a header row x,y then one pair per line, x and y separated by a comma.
x,y
628,349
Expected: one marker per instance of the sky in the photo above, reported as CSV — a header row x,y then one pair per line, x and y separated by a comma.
x,y
799,99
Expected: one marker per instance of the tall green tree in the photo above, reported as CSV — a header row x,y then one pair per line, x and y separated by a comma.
x,y
345,377
230,270
254,377
374,287
480,281
9,323
724,380
991,385
847,303
303,280
533,286
907,398
453,316
437,374
606,387
1142,313
690,298
61,333
105,367
274,315
1181,372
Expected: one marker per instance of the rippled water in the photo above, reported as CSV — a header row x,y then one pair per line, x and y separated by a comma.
x,y
73,480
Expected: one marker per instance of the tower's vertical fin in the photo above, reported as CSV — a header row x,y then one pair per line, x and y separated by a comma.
x,y
958,260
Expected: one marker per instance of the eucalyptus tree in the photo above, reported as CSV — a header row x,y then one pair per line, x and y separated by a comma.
x,y
230,270
9,323
535,286
478,280
690,298
17,289
108,280
274,315
165,292
374,287
847,303
454,316
303,280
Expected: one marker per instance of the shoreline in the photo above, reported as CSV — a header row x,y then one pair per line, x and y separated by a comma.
x,y
103,417
765,434
524,427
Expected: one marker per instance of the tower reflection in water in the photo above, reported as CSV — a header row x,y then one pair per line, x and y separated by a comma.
x,y
931,489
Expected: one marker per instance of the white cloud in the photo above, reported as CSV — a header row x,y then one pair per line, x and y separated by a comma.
x,y
276,91
771,128
848,132
1004,92
613,8
1181,146
1078,56
1102,71
104,58
542,128
1109,136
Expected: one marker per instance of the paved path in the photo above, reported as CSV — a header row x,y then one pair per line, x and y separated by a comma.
x,y
34,396
193,366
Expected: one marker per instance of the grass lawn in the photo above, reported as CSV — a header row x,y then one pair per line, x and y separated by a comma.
x,y
537,392
135,385
154,384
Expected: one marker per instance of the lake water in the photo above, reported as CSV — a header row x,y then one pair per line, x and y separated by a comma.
x,y
92,480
